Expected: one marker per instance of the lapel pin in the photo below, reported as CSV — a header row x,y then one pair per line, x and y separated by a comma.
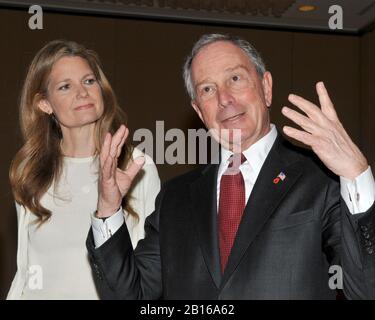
x,y
281,176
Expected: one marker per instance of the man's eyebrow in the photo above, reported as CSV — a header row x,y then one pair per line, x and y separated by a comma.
x,y
203,81
239,66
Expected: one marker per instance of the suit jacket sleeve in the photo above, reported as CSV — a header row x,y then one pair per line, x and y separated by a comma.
x,y
121,273
358,253
348,241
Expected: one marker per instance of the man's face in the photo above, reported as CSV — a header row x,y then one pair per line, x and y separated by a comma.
x,y
230,94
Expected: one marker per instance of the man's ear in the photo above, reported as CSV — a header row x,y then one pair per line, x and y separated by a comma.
x,y
45,106
267,88
197,109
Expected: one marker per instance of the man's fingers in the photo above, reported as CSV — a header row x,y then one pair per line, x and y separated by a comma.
x,y
298,118
299,135
305,105
104,152
325,102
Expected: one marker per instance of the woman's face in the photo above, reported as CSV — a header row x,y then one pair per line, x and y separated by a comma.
x,y
73,93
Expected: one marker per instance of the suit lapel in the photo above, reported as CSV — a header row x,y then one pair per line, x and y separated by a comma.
x,y
203,202
264,199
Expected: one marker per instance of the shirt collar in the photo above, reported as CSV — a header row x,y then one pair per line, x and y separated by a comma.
x,y
256,154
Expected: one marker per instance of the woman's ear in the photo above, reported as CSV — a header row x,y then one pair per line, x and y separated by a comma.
x,y
45,106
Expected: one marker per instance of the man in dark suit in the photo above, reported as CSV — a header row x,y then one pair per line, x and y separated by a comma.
x,y
265,223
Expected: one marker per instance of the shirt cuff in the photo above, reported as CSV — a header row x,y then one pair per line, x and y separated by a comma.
x,y
358,194
104,229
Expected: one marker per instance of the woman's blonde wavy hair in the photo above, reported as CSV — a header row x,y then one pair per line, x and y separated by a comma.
x,y
39,161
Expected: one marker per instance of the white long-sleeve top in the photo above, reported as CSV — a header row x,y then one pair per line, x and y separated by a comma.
x,y
52,261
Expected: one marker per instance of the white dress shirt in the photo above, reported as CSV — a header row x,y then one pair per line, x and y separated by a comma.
x,y
359,194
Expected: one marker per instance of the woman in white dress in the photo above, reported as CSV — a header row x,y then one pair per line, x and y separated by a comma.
x,y
67,107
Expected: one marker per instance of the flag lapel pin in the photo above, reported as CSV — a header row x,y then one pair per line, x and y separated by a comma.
x,y
281,176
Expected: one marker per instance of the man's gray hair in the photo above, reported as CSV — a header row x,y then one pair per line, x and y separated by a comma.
x,y
207,39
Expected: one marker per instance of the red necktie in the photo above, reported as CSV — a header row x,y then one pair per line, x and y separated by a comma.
x,y
231,206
